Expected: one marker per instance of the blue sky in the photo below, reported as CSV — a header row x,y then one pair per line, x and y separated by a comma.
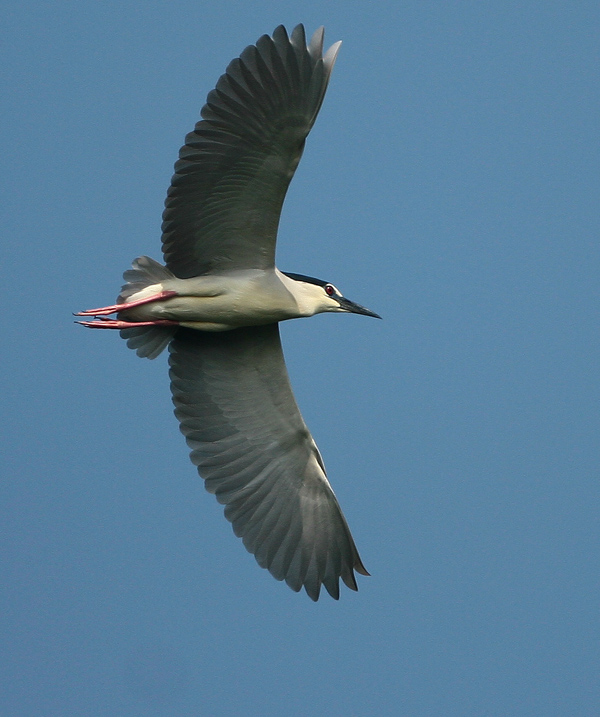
x,y
451,185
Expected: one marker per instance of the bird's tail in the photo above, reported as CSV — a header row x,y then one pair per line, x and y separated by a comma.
x,y
144,272
146,341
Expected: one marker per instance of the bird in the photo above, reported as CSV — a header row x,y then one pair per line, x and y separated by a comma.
x,y
217,303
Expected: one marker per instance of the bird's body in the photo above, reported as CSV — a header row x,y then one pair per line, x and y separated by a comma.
x,y
246,297
249,297
217,304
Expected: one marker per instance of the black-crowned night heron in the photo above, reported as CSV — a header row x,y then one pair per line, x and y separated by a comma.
x,y
217,304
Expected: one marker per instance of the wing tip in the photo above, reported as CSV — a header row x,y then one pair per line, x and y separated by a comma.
x,y
330,56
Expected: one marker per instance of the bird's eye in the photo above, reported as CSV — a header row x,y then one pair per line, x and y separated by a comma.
x,y
329,289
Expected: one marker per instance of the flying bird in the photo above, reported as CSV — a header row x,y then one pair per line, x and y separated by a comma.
x,y
217,302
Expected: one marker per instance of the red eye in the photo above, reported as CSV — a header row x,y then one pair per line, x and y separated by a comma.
x,y
329,290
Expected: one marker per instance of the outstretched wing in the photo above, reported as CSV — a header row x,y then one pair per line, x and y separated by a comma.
x,y
223,206
239,416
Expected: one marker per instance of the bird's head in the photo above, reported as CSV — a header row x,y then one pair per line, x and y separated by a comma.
x,y
315,296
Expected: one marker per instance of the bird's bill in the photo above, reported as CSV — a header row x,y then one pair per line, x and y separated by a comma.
x,y
351,307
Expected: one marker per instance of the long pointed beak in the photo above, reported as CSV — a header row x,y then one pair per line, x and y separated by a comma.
x,y
351,307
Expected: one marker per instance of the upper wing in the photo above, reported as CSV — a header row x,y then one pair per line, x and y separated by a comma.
x,y
236,408
223,206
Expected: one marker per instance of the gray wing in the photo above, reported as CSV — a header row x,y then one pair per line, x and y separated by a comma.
x,y
223,206
233,399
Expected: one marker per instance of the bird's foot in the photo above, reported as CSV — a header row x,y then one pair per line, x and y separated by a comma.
x,y
115,308
104,323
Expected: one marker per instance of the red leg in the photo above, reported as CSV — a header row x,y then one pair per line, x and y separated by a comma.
x,y
123,307
103,323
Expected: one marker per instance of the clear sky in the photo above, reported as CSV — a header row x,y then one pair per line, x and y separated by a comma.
x,y
451,185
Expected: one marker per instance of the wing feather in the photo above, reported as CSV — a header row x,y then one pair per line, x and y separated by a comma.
x,y
239,416
222,209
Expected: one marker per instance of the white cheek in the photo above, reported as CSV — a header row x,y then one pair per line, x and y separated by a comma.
x,y
330,304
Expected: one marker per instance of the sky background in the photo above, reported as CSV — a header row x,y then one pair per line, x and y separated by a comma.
x,y
451,185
